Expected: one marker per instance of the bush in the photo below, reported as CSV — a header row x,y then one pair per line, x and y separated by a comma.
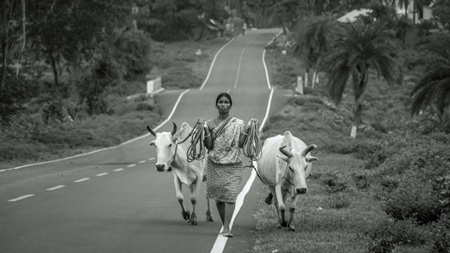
x,y
333,183
396,232
414,198
441,237
338,201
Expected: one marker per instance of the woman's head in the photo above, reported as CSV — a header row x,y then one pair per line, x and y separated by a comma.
x,y
224,103
226,95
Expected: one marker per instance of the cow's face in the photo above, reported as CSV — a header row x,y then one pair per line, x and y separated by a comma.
x,y
297,166
165,144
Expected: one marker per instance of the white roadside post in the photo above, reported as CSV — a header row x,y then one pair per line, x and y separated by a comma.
x,y
299,88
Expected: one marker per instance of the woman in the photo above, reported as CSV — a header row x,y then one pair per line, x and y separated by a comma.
x,y
224,137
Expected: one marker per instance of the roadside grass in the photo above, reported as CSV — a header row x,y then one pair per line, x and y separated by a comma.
x,y
29,138
374,193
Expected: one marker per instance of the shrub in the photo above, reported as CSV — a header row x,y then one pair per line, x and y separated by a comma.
x,y
333,183
396,232
338,201
441,236
413,198
382,246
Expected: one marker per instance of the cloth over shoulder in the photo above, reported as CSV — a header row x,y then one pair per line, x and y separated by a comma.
x,y
226,141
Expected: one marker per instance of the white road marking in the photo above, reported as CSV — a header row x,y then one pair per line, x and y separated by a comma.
x,y
131,165
240,62
102,174
214,60
81,180
151,158
120,169
2,170
56,188
142,161
21,197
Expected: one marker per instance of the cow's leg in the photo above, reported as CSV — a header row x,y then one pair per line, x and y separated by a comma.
x,y
281,206
292,206
194,187
180,197
209,216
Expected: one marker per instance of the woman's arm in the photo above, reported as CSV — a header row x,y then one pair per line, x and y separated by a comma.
x,y
243,136
208,138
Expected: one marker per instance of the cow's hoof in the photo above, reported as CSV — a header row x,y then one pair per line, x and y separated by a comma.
x,y
193,219
209,216
186,215
268,199
193,222
291,228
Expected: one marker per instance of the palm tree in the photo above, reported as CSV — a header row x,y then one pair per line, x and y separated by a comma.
x,y
434,86
358,48
313,42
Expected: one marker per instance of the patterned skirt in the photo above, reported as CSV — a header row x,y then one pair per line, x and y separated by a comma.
x,y
223,181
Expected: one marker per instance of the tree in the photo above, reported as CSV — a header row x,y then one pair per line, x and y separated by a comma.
x,y
434,86
313,43
441,11
358,48
12,30
63,32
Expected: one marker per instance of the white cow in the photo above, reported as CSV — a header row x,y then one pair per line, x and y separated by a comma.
x,y
171,156
284,167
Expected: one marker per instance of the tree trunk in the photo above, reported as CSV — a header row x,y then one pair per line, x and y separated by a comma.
x,y
359,92
4,41
4,62
201,33
55,70
306,77
313,79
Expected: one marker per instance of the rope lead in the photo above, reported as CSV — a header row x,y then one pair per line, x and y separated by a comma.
x,y
197,150
252,146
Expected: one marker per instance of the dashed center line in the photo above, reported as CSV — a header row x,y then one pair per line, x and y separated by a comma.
x,y
81,180
76,181
21,197
56,188
151,158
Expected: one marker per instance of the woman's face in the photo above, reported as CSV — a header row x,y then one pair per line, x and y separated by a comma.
x,y
223,105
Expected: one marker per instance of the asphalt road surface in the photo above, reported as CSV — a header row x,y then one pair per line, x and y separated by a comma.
x,y
113,200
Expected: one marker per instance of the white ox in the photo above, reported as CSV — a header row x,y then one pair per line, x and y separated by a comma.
x,y
284,167
171,156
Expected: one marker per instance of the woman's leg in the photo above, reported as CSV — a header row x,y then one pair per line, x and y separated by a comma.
x,y
221,208
228,215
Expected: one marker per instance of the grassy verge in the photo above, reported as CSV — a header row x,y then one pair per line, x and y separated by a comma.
x,y
385,191
29,138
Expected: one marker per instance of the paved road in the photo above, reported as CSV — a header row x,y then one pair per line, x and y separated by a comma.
x,y
115,201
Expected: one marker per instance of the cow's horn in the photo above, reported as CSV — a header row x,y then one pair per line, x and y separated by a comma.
x,y
308,149
174,130
151,131
285,152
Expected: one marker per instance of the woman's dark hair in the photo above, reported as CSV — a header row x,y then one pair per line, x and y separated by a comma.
x,y
224,95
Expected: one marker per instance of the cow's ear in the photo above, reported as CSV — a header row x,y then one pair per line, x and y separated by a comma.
x,y
311,159
283,158
152,143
